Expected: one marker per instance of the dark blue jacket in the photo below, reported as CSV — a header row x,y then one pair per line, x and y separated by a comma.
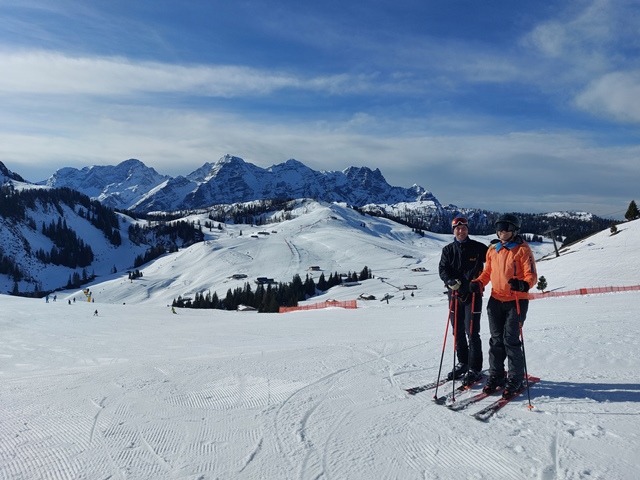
x,y
463,261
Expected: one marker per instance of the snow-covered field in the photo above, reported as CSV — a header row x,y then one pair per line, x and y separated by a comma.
x,y
139,393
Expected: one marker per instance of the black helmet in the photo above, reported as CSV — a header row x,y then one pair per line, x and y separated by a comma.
x,y
507,218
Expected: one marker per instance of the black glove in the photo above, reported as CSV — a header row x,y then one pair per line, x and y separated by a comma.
x,y
454,284
475,287
519,285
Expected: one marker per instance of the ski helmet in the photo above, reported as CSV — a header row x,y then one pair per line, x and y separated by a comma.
x,y
507,218
459,221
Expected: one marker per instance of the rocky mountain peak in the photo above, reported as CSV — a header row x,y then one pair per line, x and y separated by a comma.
x,y
132,185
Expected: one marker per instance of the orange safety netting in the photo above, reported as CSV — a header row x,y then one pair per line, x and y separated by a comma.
x,y
532,296
316,306
583,291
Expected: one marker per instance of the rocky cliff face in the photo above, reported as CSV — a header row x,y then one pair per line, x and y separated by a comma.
x,y
132,185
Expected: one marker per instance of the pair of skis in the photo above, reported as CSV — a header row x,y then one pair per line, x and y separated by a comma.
x,y
451,396
441,382
488,411
426,386
485,413
434,384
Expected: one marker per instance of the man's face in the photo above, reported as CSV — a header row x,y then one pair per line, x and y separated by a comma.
x,y
461,232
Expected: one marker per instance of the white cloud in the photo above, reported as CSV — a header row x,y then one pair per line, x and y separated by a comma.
x,y
577,34
43,72
469,170
614,95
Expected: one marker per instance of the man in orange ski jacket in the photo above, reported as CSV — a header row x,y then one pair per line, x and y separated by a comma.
x,y
511,269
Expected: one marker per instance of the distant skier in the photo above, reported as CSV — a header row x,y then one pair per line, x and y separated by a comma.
x,y
95,314
511,269
173,310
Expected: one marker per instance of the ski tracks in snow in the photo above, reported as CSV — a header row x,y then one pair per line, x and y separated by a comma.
x,y
308,413
313,441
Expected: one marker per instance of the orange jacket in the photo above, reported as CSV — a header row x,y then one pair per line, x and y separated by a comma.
x,y
504,262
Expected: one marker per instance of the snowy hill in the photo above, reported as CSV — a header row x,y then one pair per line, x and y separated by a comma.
x,y
340,240
333,237
138,392
22,237
330,236
583,264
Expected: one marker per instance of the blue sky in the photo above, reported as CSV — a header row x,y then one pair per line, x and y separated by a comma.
x,y
503,105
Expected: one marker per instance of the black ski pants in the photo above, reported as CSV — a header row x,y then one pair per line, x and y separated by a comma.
x,y
504,325
468,343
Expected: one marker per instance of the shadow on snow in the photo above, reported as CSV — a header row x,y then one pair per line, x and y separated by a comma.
x,y
600,392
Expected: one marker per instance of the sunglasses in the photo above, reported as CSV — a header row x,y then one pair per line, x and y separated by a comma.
x,y
507,227
459,221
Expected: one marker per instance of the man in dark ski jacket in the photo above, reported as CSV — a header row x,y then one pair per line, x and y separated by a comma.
x,y
462,261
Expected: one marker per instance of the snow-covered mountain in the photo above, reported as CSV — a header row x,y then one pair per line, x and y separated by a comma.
x,y
214,191
7,175
132,185
119,186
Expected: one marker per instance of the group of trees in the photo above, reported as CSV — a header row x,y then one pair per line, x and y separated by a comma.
x,y
172,234
76,280
68,250
253,213
151,254
135,274
269,298
105,220
9,267
532,238
632,213
14,205
165,237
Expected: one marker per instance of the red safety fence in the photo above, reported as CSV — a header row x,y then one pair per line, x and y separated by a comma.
x,y
532,296
317,306
583,291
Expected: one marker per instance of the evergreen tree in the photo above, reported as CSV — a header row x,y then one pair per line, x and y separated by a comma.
x,y
309,287
542,284
365,274
322,283
632,211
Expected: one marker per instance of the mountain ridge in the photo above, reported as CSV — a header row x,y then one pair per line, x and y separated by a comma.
x,y
131,185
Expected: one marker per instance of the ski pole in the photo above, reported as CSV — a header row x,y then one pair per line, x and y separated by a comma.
x,y
524,356
455,345
444,344
473,312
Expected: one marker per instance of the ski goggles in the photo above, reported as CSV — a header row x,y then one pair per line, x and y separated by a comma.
x,y
456,222
506,226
